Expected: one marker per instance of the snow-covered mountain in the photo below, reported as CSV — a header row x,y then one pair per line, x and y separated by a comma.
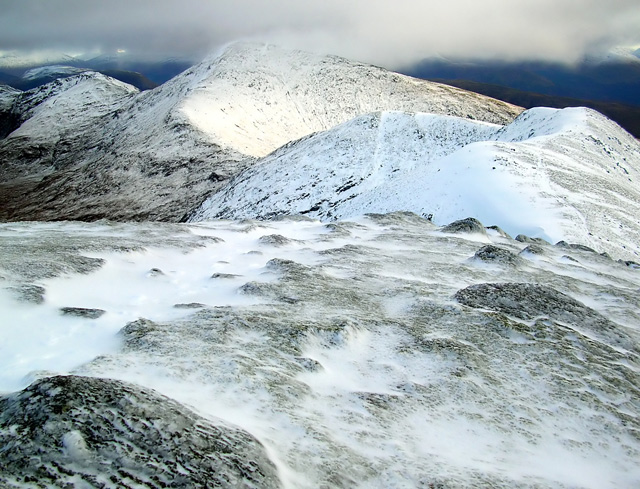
x,y
157,154
565,174
380,349
54,71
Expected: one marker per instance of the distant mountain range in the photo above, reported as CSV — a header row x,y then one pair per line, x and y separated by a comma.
x,y
28,73
611,85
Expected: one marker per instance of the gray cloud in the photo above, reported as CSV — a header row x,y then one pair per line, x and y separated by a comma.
x,y
378,31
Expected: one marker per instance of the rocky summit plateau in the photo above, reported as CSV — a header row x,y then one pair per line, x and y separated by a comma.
x,y
281,269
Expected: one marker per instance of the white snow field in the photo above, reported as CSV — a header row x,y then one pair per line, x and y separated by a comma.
x,y
345,348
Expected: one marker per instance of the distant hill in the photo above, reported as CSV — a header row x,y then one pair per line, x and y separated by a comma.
x,y
628,116
609,81
144,75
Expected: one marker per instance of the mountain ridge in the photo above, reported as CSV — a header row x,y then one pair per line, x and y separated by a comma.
x,y
527,177
160,152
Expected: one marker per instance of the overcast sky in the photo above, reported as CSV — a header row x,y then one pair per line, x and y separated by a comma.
x,y
391,33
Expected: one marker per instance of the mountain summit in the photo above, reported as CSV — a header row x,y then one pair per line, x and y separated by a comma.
x,y
157,154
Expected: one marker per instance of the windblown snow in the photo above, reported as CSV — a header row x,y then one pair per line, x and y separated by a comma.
x,y
381,352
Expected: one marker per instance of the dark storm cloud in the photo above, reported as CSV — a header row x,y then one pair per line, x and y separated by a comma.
x,y
380,31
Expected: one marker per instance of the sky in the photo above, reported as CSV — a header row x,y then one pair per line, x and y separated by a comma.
x,y
384,32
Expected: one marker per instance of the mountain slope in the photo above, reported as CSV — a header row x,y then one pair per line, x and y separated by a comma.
x,y
556,174
159,153
258,97
628,116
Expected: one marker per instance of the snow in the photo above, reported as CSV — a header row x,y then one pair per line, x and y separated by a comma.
x,y
403,388
51,71
340,346
168,148
565,174
256,97
67,103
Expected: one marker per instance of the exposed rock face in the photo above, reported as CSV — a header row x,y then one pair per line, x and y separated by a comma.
x,y
81,431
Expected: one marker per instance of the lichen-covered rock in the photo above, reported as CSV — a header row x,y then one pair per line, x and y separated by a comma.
x,y
29,293
533,249
82,312
525,301
495,254
532,301
71,431
469,225
274,240
574,246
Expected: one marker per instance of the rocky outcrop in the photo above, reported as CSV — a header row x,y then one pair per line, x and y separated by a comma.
x,y
87,432
495,254
468,225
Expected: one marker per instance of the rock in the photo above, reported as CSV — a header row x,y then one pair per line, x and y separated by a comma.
x,y
82,312
531,301
494,254
29,293
572,246
309,364
274,240
71,431
526,239
499,231
256,288
155,272
533,249
469,225
283,265
135,333
225,275
570,258
189,305
630,264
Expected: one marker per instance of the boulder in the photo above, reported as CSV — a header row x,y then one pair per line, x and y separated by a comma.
x,y
71,431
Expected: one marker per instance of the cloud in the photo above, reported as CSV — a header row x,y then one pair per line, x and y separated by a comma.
x,y
379,31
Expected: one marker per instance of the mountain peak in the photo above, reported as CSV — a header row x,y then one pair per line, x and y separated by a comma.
x,y
256,97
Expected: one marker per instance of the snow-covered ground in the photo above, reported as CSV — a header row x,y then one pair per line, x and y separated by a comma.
x,y
353,351
566,174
